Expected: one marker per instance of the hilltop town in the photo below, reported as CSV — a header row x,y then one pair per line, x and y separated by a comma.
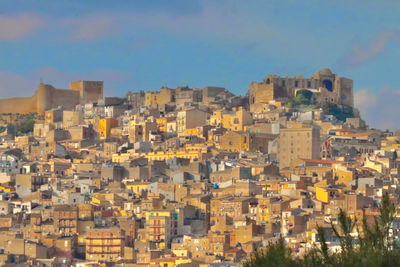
x,y
186,176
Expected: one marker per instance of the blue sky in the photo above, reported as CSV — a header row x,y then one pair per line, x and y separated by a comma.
x,y
143,45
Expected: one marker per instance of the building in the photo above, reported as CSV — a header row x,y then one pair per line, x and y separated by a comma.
x,y
278,88
105,126
162,226
135,99
189,119
296,144
71,118
105,244
65,219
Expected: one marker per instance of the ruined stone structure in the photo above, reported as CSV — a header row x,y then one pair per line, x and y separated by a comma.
x,y
47,97
337,89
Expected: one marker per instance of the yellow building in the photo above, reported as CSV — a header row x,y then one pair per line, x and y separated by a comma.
x,y
105,126
343,176
151,98
216,118
122,157
137,187
322,194
164,96
190,132
235,141
162,124
166,155
236,120
170,262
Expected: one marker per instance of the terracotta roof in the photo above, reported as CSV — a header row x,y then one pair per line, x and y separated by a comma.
x,y
322,161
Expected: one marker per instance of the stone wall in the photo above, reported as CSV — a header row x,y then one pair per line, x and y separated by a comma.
x,y
47,97
18,105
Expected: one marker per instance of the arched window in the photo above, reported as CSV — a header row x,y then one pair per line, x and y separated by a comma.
x,y
328,85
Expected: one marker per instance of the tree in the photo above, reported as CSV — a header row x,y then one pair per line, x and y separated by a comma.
x,y
362,244
341,113
303,97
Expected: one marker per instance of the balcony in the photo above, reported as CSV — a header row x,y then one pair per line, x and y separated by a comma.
x,y
104,245
103,252
105,237
66,226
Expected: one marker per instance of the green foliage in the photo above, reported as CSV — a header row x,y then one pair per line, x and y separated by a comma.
x,y
303,97
23,126
276,255
340,113
375,245
11,129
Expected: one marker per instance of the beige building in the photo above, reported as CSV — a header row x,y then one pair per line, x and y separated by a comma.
x,y
190,118
296,144
71,118
105,244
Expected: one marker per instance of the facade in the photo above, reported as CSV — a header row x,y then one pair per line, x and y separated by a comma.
x,y
65,220
105,244
296,144
189,119
105,126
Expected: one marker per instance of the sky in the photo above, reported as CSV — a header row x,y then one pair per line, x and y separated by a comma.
x,y
143,45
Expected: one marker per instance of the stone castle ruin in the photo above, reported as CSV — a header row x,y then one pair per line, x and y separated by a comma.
x,y
47,97
328,86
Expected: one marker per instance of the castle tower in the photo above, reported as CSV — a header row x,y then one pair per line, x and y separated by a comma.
x,y
90,91
43,97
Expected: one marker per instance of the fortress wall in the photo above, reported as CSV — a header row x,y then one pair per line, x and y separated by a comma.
x,y
47,97
21,105
66,98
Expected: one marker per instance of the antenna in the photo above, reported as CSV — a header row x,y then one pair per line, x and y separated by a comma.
x,y
41,80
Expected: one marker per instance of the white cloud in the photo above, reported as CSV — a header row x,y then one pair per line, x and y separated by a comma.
x,y
359,54
214,22
18,26
15,85
364,99
381,108
90,27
